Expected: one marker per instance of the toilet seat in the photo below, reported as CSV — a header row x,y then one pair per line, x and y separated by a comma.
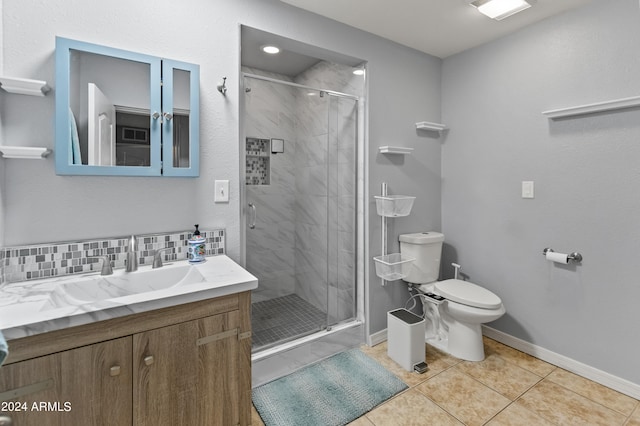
x,y
467,293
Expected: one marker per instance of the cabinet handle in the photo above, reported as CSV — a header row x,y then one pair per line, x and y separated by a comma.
x,y
5,421
148,360
168,116
155,115
114,371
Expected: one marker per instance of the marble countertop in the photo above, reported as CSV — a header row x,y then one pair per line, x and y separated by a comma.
x,y
39,306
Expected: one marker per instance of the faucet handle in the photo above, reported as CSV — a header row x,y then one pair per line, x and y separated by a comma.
x,y
106,264
157,258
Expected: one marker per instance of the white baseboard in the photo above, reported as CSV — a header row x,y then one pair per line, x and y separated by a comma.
x,y
609,380
378,337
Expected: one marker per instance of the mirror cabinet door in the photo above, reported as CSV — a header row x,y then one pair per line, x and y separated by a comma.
x,y
110,118
180,127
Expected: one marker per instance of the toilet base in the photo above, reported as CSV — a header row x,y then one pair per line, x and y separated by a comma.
x,y
464,343
441,344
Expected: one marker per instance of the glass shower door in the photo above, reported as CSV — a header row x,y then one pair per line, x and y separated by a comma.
x,y
300,205
286,209
342,214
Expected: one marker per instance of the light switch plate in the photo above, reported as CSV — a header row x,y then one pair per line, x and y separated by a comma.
x,y
222,191
527,189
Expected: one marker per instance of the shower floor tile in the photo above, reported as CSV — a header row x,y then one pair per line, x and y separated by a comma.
x,y
284,318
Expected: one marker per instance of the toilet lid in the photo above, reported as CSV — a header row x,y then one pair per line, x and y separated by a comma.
x,y
468,294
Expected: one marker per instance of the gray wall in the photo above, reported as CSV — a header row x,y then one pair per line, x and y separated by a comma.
x,y
38,206
586,173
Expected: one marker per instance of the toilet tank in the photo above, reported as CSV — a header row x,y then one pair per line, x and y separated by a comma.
x,y
426,249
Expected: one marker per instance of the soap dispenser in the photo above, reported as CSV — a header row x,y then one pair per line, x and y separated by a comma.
x,y
197,248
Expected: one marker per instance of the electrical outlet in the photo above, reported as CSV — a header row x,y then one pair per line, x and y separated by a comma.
x,y
222,191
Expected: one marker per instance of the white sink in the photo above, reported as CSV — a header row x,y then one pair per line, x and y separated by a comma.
x,y
95,288
32,307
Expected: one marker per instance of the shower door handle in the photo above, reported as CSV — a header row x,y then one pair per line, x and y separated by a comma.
x,y
252,224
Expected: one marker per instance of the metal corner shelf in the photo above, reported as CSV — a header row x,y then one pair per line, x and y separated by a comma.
x,y
391,267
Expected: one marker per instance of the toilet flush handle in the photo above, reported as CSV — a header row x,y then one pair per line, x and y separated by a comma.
x,y
456,268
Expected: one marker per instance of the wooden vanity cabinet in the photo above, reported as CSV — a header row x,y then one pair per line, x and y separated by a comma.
x,y
85,386
184,365
193,381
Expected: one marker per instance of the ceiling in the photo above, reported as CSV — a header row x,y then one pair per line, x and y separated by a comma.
x,y
294,57
438,27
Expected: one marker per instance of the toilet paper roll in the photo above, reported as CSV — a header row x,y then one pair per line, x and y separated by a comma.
x,y
557,257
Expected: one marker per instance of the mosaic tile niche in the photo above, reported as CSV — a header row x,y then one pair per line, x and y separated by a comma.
x,y
258,161
56,259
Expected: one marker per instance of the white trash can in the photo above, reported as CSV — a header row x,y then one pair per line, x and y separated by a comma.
x,y
405,338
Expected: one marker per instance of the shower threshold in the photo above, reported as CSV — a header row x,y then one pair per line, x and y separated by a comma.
x,y
278,361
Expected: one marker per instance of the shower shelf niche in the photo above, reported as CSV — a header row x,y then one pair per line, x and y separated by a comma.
x,y
393,266
258,161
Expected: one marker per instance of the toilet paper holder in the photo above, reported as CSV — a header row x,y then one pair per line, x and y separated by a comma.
x,y
575,256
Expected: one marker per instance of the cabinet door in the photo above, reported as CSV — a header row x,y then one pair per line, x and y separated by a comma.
x,y
181,123
85,386
187,374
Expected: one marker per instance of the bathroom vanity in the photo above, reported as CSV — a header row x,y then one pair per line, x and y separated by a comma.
x,y
186,363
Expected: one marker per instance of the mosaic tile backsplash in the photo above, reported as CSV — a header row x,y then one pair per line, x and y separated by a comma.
x,y
57,259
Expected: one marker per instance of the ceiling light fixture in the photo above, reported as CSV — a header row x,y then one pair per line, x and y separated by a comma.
x,y
500,9
358,71
272,50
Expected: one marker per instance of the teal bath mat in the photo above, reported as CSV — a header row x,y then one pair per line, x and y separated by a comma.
x,y
332,392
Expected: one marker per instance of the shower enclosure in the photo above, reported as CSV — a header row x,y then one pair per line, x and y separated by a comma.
x,y
300,192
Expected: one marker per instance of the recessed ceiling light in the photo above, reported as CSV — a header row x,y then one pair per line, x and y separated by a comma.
x,y
272,50
500,9
358,71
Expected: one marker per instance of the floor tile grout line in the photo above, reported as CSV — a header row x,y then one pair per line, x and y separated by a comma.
x,y
438,405
498,391
588,398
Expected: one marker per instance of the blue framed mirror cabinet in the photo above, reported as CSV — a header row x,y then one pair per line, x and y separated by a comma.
x,y
122,113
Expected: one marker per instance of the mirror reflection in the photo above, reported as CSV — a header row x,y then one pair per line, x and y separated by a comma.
x,y
111,113
180,121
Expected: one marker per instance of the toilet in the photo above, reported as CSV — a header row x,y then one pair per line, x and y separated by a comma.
x,y
454,324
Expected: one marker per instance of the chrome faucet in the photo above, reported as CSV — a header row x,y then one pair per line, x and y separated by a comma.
x,y
157,257
106,266
132,254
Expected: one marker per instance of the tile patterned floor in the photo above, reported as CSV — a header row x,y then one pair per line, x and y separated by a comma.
x,y
508,388
282,319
